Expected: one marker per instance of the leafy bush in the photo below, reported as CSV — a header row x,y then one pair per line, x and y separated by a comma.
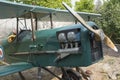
x,y
110,20
84,6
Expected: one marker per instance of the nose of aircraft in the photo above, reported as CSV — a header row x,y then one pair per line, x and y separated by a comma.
x,y
1,53
1,49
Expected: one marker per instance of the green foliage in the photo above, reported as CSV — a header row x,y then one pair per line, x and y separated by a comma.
x,y
84,5
110,20
46,3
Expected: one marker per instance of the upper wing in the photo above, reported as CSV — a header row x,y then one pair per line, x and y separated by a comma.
x,y
65,16
13,68
12,10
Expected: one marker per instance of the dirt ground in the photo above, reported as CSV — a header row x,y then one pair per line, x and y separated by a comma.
x,y
106,69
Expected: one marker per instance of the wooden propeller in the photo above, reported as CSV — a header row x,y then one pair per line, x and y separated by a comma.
x,y
98,32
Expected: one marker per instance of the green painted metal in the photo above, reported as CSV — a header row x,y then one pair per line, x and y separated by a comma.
x,y
13,68
46,40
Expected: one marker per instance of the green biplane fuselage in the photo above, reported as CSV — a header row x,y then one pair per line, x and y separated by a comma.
x,y
47,48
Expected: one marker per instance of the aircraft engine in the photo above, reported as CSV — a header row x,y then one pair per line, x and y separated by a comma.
x,y
71,36
61,37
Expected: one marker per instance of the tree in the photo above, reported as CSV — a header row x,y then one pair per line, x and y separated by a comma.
x,y
84,5
45,3
110,20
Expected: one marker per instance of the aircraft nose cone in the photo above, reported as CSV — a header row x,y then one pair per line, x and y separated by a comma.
x,y
1,53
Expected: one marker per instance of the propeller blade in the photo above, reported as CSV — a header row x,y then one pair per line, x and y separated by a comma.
x,y
79,18
110,44
98,32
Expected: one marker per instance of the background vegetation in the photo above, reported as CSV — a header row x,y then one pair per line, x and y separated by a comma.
x,y
84,6
110,20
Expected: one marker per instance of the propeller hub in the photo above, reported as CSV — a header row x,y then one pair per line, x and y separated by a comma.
x,y
102,35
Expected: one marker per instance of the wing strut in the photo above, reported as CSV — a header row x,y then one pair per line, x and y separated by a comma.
x,y
33,35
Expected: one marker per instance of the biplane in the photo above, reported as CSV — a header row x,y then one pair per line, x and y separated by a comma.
x,y
75,45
